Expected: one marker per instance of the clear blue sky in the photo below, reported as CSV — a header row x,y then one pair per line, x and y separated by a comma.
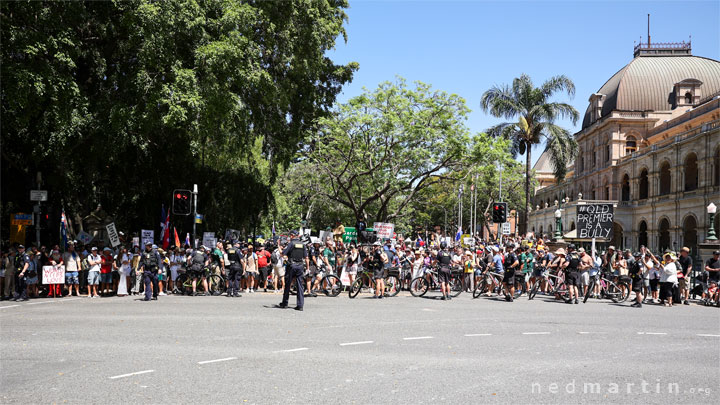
x,y
465,47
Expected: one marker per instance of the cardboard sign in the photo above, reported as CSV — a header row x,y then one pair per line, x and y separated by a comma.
x,y
326,235
595,221
384,230
209,240
345,277
136,241
147,236
112,234
53,274
84,237
506,228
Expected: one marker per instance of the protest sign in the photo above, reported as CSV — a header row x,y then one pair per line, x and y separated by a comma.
x,y
53,274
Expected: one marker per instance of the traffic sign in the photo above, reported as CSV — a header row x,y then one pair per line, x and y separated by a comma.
x,y
38,195
22,219
506,228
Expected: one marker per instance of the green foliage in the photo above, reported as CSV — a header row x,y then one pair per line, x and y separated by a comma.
x,y
120,102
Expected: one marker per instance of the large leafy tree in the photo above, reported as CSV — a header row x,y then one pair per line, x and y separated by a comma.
x,y
535,112
119,102
380,149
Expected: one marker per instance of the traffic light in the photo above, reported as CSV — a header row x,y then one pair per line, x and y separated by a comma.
x,y
181,202
499,214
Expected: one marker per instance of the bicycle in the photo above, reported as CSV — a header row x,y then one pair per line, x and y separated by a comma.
x,y
557,285
330,284
419,286
490,278
365,280
183,283
616,292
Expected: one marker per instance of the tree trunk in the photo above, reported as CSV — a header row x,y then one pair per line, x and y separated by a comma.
x,y
528,152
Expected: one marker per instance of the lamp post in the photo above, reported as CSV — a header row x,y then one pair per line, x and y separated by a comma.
x,y
558,224
711,229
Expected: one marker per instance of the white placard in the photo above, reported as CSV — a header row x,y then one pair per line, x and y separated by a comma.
x,y
112,234
384,230
506,228
209,240
53,274
147,236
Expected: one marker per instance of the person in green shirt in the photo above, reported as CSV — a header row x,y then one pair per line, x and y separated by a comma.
x,y
527,261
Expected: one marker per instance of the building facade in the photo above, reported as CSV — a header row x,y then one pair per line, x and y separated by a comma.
x,y
650,144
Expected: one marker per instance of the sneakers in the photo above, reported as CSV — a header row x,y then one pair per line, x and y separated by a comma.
x,y
686,302
237,295
637,305
443,298
252,291
161,293
576,301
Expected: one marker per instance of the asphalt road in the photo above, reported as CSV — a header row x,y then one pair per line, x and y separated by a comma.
x,y
395,350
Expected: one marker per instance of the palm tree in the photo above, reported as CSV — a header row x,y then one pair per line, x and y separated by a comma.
x,y
535,114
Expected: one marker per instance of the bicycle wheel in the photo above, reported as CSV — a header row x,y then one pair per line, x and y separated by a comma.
x,y
534,289
561,291
480,288
355,288
179,287
456,286
418,287
519,288
589,291
331,285
624,291
216,284
392,286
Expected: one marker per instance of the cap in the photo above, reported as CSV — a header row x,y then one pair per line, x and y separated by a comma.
x,y
685,249
560,251
467,252
377,243
107,249
495,249
154,246
581,250
571,246
294,232
121,233
21,247
637,254
627,251
93,248
717,252
148,243
611,247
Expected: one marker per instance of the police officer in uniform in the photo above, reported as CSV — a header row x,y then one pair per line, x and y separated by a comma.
x,y
443,260
236,270
198,261
572,274
296,254
22,264
150,263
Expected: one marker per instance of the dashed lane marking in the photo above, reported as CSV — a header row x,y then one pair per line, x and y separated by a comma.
x,y
652,333
41,302
299,349
366,342
217,360
478,334
536,333
10,306
707,335
592,333
418,338
132,374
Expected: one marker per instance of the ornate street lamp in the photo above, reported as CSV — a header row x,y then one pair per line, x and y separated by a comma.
x,y
711,229
558,224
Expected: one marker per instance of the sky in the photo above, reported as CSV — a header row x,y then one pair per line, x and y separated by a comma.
x,y
466,47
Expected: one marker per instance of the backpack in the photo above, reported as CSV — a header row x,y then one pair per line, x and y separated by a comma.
x,y
274,258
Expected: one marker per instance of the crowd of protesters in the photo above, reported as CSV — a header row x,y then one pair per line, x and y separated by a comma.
x,y
99,271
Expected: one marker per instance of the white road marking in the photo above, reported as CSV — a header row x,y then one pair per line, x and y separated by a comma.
x,y
478,334
72,299
41,302
366,342
10,306
293,350
418,338
217,360
707,335
536,333
131,374
652,333
595,333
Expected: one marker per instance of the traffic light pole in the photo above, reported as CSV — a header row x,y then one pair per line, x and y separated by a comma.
x,y
195,193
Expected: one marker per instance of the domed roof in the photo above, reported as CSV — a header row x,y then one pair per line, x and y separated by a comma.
x,y
646,83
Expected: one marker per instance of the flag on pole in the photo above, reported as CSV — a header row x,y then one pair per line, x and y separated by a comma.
x,y
187,239
63,229
273,229
177,240
458,234
166,232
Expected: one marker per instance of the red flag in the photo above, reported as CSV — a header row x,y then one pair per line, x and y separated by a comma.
x,y
166,232
177,240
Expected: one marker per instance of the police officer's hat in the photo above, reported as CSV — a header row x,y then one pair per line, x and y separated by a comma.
x,y
21,247
637,254
571,246
154,246
377,243
148,243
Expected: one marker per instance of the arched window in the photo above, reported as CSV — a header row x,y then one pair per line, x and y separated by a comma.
x,y
688,98
643,184
664,234
642,234
594,159
665,178
607,152
625,194
572,225
618,240
592,191
691,172
580,161
717,167
690,237
630,145
541,229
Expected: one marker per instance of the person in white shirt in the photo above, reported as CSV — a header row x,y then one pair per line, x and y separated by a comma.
x,y
668,278
175,260
124,258
94,260
73,264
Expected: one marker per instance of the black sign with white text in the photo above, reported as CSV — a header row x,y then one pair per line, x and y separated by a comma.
x,y
595,221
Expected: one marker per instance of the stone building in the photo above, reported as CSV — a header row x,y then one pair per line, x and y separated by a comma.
x,y
650,144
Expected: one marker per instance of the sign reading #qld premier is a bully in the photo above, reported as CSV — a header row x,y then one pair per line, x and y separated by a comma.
x,y
595,221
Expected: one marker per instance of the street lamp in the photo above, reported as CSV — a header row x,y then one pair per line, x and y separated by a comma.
x,y
558,224
711,229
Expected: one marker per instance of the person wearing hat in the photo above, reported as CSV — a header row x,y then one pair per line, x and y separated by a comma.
x,y
106,268
668,279
162,271
511,266
443,260
712,266
197,263
558,263
150,263
296,254
94,261
235,266
685,263
572,274
23,262
609,260
636,276
586,264
73,264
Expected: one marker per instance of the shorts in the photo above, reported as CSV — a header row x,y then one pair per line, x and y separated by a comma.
x,y
249,274
571,279
444,276
646,282
173,273
537,272
93,278
31,280
161,277
509,277
654,284
106,278
279,271
478,273
584,278
71,278
637,285
683,284
378,274
353,269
